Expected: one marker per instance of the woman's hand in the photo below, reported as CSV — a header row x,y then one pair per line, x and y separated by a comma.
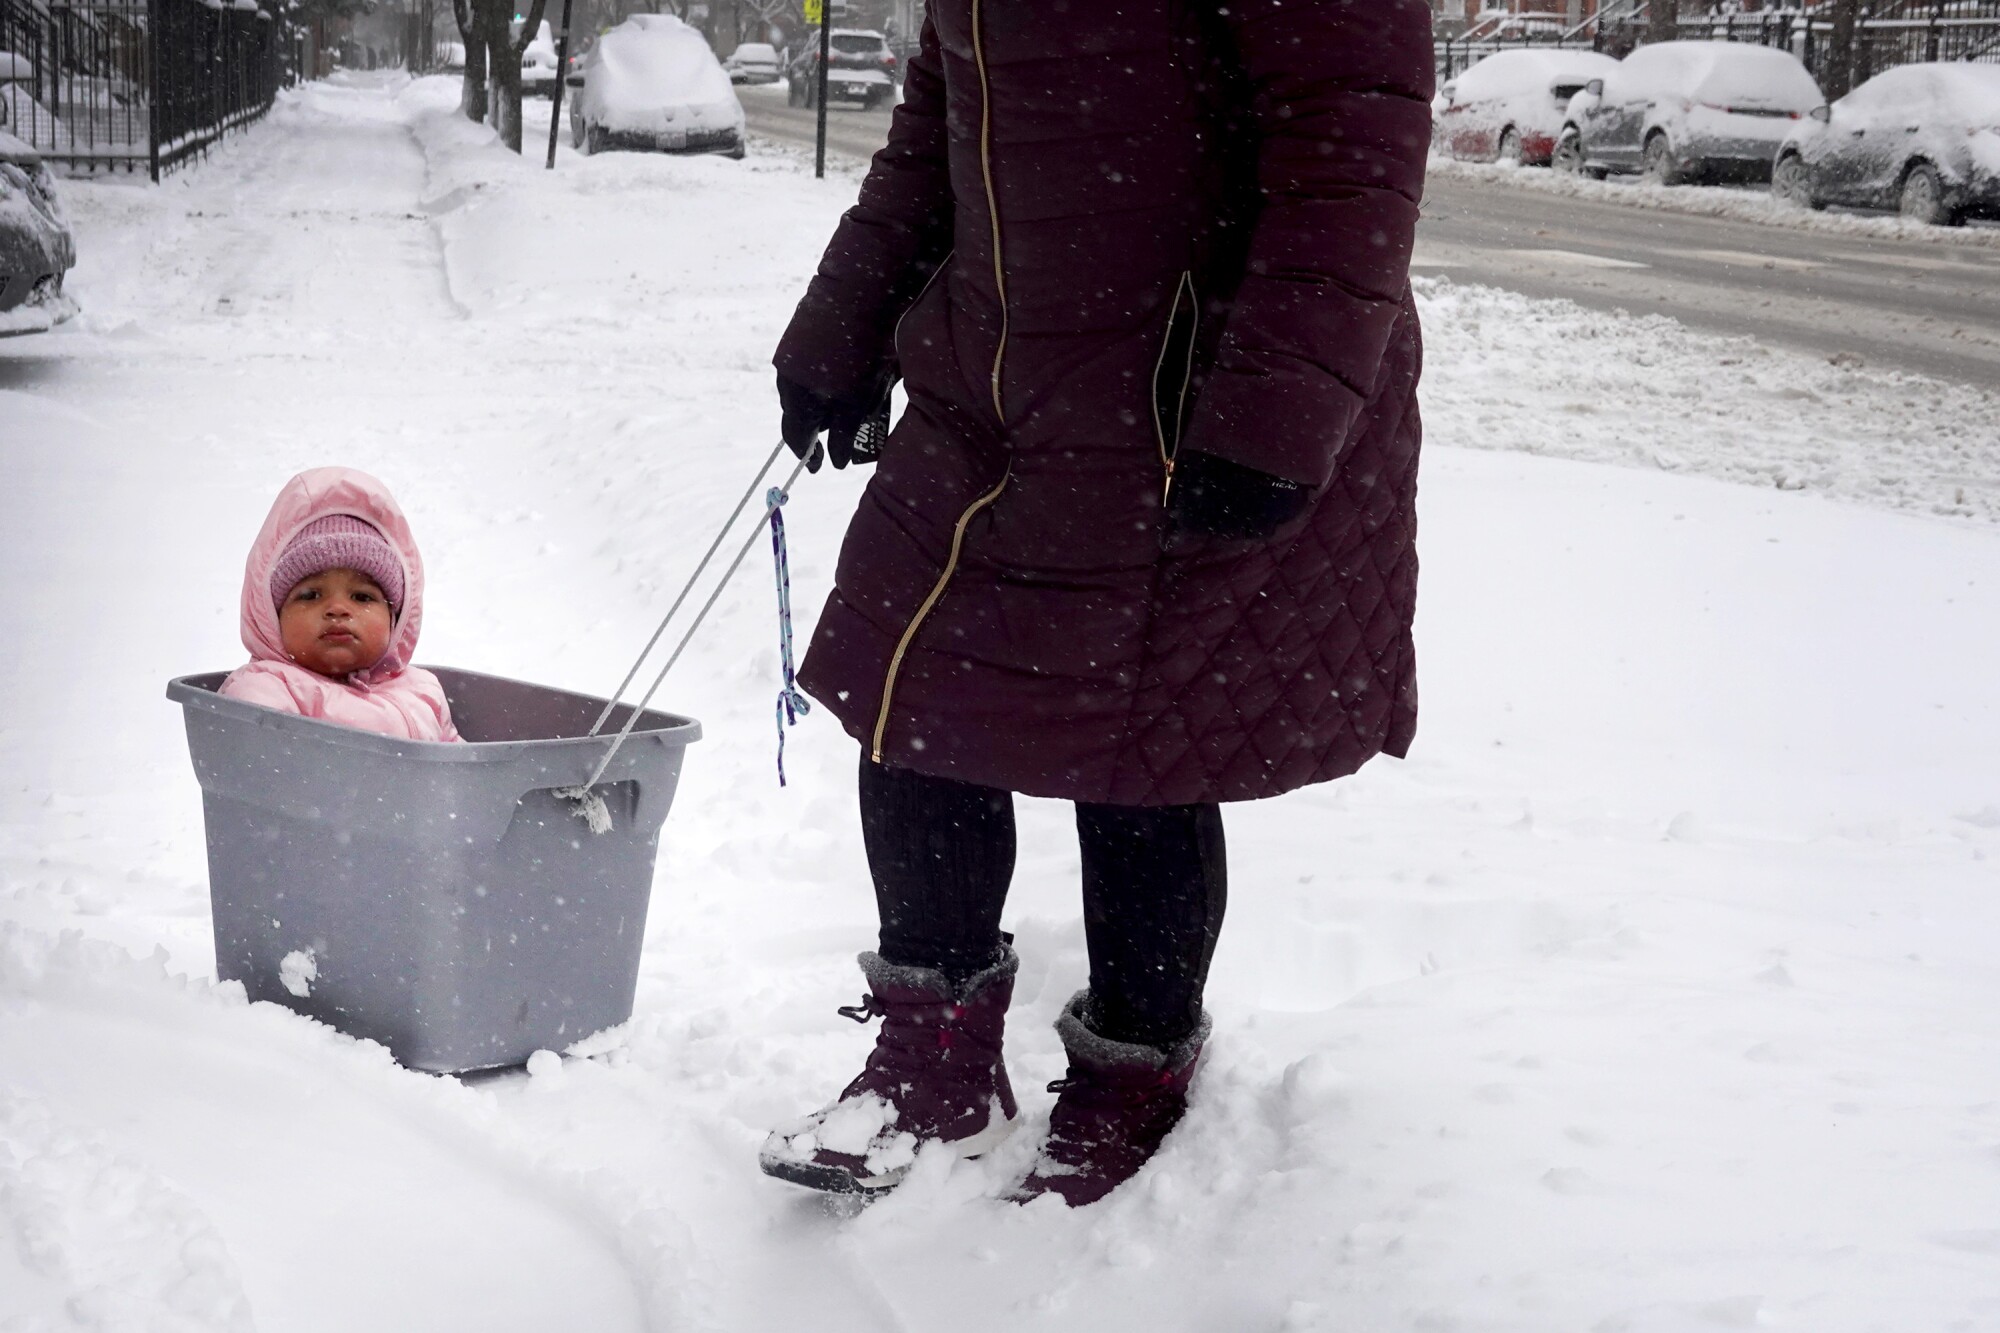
x,y
1213,497
855,426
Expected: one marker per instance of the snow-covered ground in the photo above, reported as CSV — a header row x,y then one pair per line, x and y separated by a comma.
x,y
1741,203
1655,992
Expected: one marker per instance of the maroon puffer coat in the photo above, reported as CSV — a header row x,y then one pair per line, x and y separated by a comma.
x,y
1101,234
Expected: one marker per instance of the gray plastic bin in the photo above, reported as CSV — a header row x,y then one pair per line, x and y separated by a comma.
x,y
456,909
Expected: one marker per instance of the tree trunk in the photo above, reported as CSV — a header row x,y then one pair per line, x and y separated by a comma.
x,y
506,115
1837,72
504,54
1664,20
472,92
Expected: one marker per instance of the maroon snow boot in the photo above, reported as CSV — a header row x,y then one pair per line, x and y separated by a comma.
x,y
1118,1102
935,1076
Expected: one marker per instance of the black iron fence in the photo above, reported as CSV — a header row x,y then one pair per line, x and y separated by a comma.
x,y
134,84
1886,33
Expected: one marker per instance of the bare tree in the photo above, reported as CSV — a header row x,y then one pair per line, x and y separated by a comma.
x,y
766,11
500,52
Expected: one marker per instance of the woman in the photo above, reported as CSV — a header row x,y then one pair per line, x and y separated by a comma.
x,y
1143,539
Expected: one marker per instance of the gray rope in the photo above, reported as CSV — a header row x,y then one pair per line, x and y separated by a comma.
x,y
681,647
693,578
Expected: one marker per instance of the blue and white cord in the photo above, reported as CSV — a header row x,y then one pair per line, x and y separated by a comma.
x,y
792,705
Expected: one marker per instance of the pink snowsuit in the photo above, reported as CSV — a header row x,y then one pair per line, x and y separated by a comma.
x,y
392,696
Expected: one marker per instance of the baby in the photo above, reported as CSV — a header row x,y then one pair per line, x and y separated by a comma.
x,y
332,601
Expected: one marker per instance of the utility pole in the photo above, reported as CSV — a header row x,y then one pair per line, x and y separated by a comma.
x,y
825,46
562,79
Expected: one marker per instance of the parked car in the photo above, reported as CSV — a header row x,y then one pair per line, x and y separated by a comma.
x,y
860,68
1921,139
538,65
37,249
1682,111
753,62
652,84
1509,107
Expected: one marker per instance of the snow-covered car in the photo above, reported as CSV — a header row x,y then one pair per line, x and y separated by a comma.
x,y
653,84
1921,139
753,62
1682,111
538,65
37,249
860,68
1509,107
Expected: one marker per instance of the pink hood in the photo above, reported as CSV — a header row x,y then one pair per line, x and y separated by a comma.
x,y
307,498
391,697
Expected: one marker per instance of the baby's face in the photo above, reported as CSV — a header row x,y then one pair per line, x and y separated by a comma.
x,y
336,623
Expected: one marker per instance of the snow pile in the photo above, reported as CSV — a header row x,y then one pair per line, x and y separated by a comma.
x,y
1502,373
1716,201
89,1231
1654,992
313,1181
510,246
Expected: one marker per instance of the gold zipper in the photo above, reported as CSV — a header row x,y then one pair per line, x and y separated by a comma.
x,y
999,354
917,621
992,204
1184,288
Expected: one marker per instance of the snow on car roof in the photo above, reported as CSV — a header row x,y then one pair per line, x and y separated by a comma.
x,y
1965,92
653,69
1973,91
16,150
1730,73
1509,71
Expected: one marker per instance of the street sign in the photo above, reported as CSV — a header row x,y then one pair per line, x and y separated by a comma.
x,y
812,11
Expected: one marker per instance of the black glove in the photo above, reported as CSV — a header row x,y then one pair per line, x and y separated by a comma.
x,y
855,426
1213,497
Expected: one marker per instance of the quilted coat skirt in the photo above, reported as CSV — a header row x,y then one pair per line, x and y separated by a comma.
x,y
1101,237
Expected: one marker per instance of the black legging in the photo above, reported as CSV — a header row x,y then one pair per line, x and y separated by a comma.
x,y
1154,886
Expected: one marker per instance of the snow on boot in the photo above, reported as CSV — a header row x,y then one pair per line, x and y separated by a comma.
x,y
1117,1103
935,1076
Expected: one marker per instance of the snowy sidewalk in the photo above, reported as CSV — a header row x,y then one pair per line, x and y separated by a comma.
x,y
1653,993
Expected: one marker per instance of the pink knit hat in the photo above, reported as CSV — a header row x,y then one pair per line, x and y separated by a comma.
x,y
339,541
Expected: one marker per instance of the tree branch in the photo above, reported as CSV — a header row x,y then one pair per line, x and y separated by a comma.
x,y
530,29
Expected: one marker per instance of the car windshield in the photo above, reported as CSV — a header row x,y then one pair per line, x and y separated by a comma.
x,y
857,46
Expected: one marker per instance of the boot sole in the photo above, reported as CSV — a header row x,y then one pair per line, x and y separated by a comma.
x,y
833,1180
